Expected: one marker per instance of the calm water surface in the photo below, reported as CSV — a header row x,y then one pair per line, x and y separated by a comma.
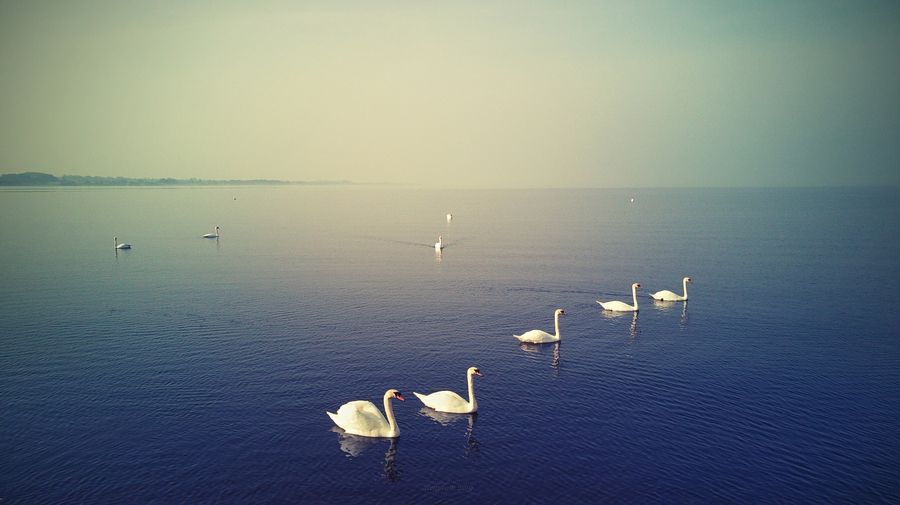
x,y
191,370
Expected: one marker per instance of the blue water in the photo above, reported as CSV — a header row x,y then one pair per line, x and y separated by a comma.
x,y
191,370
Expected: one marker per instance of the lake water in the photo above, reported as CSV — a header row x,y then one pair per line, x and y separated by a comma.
x,y
191,370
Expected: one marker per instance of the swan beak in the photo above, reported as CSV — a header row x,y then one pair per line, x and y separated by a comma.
x,y
397,396
476,372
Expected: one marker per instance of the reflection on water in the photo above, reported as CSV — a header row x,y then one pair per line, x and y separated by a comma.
x,y
537,350
444,418
670,306
392,471
472,447
355,445
633,329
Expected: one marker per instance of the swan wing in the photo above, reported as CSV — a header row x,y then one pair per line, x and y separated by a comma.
x,y
617,306
445,401
536,337
360,418
667,295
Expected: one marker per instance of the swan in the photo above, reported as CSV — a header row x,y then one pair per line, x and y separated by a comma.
x,y
212,235
668,296
540,337
622,306
448,401
363,418
121,246
440,243
449,217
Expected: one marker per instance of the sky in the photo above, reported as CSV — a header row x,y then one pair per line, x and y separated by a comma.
x,y
456,94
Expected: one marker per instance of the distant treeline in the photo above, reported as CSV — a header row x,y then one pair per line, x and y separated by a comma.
x,y
41,179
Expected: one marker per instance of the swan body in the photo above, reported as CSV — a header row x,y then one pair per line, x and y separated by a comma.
x,y
121,246
622,306
440,243
364,419
541,337
448,401
212,235
668,296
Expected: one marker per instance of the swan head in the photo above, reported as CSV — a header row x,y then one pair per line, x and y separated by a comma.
x,y
560,312
688,279
393,393
474,371
636,286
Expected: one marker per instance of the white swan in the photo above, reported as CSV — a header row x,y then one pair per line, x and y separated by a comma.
x,y
668,296
449,217
121,246
622,306
440,243
448,401
540,337
364,419
212,235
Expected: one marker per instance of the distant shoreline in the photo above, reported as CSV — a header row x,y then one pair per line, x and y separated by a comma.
x,y
42,179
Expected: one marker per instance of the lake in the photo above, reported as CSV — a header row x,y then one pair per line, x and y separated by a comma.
x,y
192,370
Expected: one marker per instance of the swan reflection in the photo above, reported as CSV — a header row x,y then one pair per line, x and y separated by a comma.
x,y
392,472
633,329
472,447
537,350
356,445
684,316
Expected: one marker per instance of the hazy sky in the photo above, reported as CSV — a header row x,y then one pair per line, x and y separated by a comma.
x,y
455,93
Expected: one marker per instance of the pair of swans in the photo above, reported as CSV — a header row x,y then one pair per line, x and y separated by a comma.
x,y
664,295
120,246
212,235
363,418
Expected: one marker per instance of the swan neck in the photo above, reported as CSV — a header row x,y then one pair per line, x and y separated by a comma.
x,y
472,403
685,283
389,413
556,322
634,296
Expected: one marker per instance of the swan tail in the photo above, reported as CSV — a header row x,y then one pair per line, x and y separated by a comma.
x,y
423,399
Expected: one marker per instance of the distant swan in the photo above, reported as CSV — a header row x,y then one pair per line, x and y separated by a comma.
x,y
364,419
448,401
668,296
121,246
622,306
541,337
440,243
212,235
449,217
